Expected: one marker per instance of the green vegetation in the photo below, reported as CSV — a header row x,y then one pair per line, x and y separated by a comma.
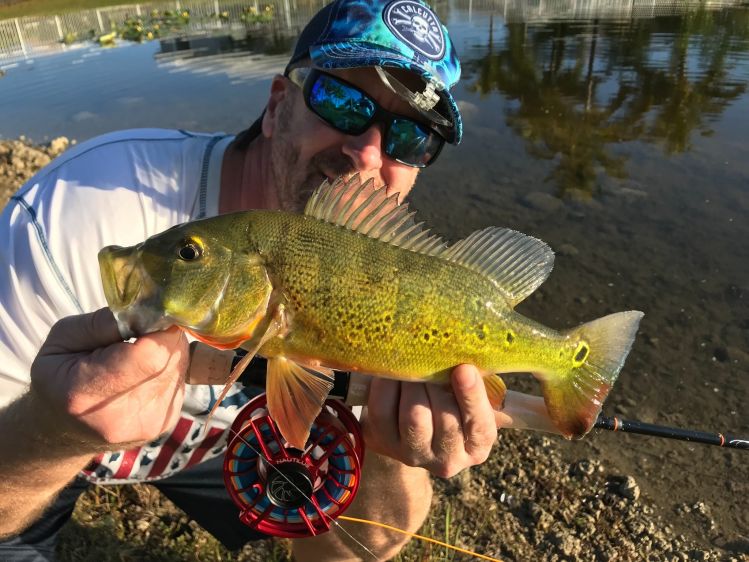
x,y
52,7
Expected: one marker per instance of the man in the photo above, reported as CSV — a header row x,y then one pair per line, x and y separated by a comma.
x,y
366,91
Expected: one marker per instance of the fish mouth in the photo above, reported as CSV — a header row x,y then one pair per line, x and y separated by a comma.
x,y
120,275
131,294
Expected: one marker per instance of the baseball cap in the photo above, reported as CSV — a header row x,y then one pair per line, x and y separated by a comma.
x,y
390,34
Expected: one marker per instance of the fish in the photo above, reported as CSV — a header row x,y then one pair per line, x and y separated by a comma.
x,y
354,283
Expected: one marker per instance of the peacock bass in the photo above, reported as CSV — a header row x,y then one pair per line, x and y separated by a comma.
x,y
356,284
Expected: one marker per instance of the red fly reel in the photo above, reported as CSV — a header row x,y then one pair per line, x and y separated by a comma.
x,y
285,492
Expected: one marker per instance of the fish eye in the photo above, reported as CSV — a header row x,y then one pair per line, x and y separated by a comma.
x,y
190,250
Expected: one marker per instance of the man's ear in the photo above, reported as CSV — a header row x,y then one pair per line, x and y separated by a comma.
x,y
279,89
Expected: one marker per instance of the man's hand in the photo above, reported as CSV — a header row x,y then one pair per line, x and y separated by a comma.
x,y
103,391
429,426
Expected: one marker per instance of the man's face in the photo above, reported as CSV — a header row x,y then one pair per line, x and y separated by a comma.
x,y
305,151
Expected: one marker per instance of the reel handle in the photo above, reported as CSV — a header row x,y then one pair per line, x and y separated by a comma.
x,y
209,365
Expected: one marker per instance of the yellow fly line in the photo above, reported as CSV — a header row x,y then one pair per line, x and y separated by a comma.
x,y
415,536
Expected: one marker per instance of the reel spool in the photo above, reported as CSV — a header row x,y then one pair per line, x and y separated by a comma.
x,y
270,481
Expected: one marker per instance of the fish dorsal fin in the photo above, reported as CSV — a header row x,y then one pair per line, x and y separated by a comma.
x,y
369,210
515,262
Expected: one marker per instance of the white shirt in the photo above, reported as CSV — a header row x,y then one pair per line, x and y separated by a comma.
x,y
119,188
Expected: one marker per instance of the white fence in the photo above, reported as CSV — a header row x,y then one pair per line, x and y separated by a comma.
x,y
27,36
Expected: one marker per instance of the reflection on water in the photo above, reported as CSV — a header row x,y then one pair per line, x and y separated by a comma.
x,y
242,60
577,91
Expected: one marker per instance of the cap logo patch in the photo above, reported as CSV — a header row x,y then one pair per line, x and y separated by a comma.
x,y
417,26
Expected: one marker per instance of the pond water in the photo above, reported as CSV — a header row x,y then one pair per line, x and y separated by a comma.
x,y
619,138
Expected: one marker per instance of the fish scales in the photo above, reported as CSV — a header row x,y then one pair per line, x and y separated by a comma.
x,y
371,306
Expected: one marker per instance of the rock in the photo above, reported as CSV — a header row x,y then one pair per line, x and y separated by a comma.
x,y
58,146
20,160
540,201
738,355
584,467
541,518
628,488
567,544
631,194
721,354
567,250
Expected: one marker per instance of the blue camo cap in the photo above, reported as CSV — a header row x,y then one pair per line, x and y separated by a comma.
x,y
386,33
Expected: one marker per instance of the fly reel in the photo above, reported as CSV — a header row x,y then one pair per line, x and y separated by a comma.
x,y
285,492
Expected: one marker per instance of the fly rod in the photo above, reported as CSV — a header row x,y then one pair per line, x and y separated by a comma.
x,y
642,428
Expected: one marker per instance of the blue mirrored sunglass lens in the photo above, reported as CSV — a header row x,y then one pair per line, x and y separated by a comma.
x,y
343,107
410,143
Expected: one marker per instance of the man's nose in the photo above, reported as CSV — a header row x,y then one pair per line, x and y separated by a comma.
x,y
365,150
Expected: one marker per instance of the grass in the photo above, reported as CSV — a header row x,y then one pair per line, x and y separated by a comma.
x,y
137,523
52,7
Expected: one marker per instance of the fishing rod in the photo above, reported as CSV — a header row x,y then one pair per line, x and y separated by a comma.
x,y
708,438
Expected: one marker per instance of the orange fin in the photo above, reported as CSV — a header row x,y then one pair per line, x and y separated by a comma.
x,y
217,343
276,327
295,397
496,390
574,397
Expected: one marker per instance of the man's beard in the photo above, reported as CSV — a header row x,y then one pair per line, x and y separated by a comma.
x,y
293,184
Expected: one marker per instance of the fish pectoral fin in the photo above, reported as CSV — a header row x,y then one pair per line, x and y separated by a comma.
x,y
495,390
296,395
277,326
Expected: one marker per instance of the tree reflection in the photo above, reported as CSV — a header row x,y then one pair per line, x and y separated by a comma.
x,y
573,95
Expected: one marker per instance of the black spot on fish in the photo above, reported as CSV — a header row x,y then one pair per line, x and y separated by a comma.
x,y
510,338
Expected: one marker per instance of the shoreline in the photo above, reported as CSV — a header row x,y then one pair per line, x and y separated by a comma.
x,y
537,497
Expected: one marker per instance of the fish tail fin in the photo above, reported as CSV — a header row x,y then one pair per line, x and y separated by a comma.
x,y
574,396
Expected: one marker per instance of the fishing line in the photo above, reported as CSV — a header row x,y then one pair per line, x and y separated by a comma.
x,y
420,537
301,492
358,520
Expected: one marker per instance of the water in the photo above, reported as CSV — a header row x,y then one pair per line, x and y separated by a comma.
x,y
617,135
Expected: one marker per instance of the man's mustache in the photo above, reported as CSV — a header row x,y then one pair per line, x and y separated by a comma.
x,y
334,163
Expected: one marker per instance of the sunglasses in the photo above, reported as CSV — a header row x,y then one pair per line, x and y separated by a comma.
x,y
352,111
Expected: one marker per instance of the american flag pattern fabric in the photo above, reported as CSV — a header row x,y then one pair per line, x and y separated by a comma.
x,y
191,441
